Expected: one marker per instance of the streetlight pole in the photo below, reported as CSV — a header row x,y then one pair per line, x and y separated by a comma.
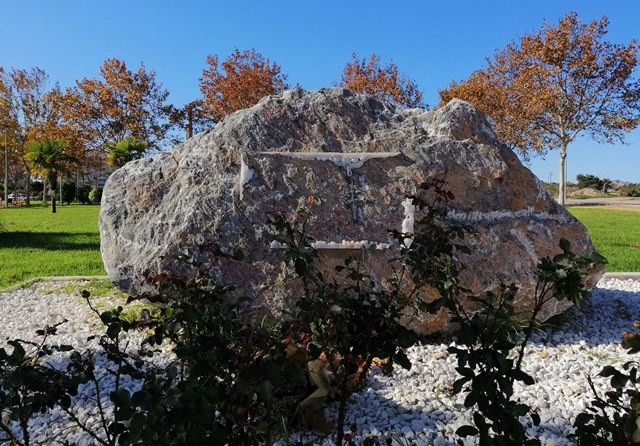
x,y
6,173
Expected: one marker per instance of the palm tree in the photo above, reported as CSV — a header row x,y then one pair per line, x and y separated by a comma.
x,y
49,158
128,149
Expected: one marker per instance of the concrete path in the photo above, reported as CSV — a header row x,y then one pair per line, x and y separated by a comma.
x,y
622,276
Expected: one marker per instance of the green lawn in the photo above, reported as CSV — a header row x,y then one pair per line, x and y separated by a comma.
x,y
615,233
35,243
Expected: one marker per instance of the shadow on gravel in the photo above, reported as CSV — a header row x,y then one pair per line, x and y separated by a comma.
x,y
601,321
53,241
385,417
438,424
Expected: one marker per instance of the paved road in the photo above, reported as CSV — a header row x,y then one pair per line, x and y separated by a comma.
x,y
627,202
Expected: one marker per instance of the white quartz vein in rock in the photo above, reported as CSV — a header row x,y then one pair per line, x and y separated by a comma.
x,y
489,217
345,160
409,217
344,244
526,243
246,173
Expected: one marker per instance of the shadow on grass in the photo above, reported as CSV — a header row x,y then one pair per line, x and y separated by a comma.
x,y
52,241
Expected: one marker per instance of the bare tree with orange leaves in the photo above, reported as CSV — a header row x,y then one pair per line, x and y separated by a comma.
x,y
56,128
556,84
121,104
23,107
368,76
239,82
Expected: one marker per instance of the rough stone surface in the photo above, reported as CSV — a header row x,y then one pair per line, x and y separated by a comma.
x,y
359,158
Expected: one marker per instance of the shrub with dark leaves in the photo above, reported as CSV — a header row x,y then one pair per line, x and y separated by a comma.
x,y
614,418
29,387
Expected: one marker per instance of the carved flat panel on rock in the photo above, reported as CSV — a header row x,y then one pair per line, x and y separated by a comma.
x,y
355,195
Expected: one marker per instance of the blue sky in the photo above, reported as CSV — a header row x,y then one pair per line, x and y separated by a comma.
x,y
433,42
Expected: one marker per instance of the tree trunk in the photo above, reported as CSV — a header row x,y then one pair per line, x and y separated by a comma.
x,y
189,122
562,180
53,184
28,203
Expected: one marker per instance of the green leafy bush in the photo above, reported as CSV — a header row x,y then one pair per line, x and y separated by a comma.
x,y
36,186
486,360
28,386
591,181
351,318
251,384
234,381
488,324
629,190
68,192
95,196
82,194
614,419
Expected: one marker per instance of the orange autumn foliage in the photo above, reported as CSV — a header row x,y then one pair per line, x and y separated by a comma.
x,y
25,107
55,128
555,84
367,76
239,82
122,103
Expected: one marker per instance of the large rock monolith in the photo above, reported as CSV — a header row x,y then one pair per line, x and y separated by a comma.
x,y
212,196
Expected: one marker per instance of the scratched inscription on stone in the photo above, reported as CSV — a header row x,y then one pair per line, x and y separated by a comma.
x,y
362,191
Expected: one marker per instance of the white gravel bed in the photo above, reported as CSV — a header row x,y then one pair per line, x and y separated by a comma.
x,y
25,310
417,403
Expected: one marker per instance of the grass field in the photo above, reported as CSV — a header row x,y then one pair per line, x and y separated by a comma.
x,y
615,233
35,243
